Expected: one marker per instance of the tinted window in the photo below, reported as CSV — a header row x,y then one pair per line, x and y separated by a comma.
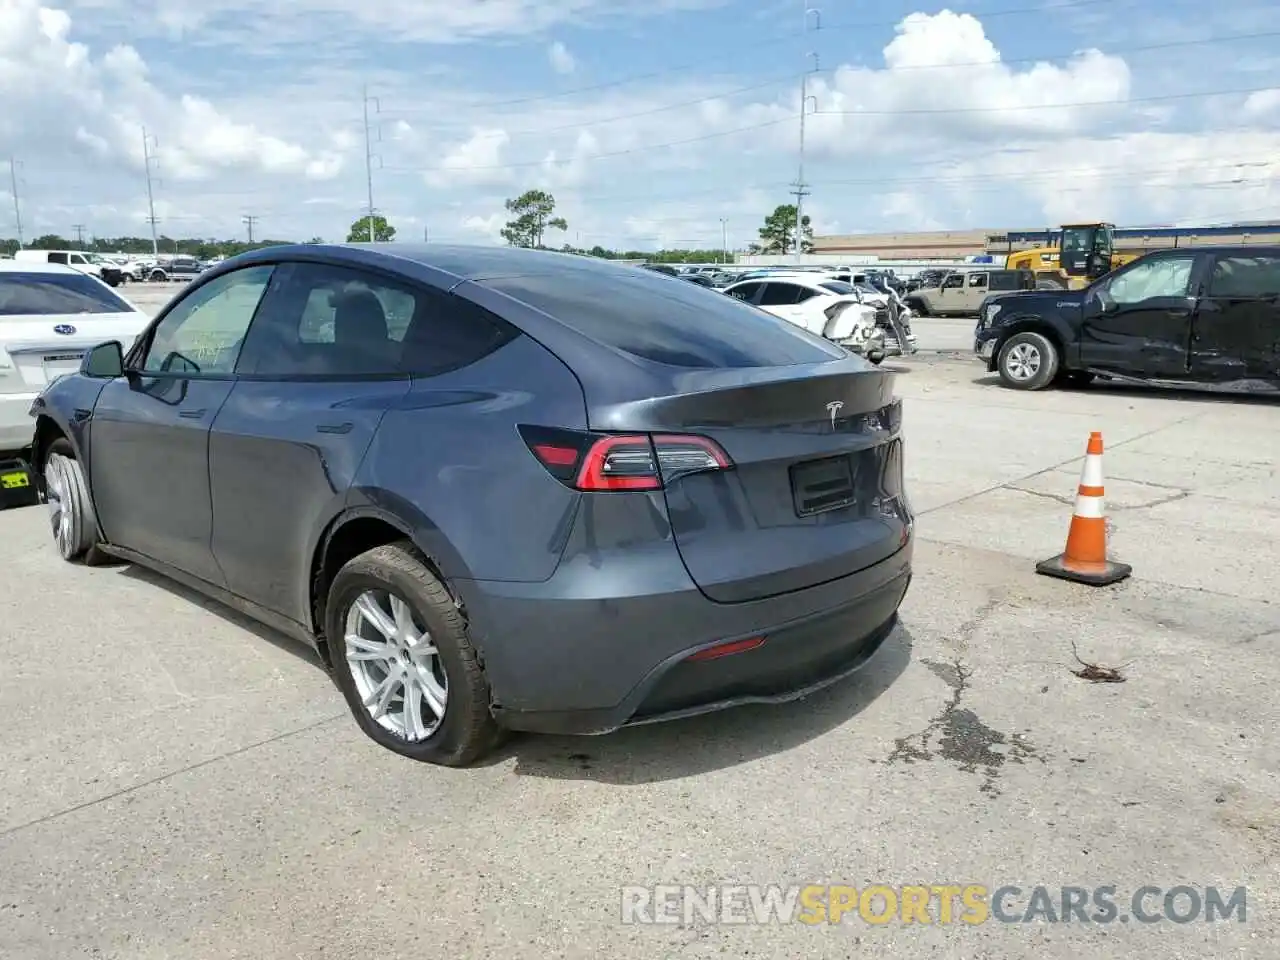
x,y
1004,281
48,293
977,279
204,330
838,287
327,321
1162,277
1245,276
955,280
781,294
58,258
672,323
746,291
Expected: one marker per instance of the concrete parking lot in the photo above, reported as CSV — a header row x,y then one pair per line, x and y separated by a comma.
x,y
181,783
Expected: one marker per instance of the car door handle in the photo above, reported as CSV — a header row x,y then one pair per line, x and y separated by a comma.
x,y
191,414
334,427
80,415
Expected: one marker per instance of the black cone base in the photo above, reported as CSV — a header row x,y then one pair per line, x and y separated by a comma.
x,y
1114,572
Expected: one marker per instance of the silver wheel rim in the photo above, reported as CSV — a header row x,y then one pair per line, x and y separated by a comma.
x,y
61,506
395,665
1022,362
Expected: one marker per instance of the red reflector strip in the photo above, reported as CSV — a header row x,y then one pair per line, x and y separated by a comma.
x,y
554,456
727,649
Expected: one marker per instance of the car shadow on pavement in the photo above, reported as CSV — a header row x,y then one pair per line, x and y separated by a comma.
x,y
232,616
684,748
1117,388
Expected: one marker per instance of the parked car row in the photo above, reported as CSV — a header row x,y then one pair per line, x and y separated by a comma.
x,y
841,305
115,270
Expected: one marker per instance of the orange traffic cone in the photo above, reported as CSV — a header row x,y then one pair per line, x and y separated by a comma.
x,y
1085,558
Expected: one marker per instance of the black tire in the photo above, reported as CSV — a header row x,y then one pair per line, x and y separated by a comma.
x,y
157,276
877,358
64,482
1073,379
468,730
918,307
1027,361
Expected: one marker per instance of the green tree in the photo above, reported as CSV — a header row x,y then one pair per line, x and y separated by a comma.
x,y
778,235
533,211
383,232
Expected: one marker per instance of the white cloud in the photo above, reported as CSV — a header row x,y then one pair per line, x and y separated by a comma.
x,y
561,59
942,130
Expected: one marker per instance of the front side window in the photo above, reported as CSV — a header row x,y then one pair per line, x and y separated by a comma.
x,y
47,294
1163,277
953,282
203,332
321,320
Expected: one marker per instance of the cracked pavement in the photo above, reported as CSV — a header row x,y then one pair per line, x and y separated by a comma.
x,y
181,783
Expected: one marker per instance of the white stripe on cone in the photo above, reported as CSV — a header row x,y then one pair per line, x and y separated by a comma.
x,y
1092,474
1091,508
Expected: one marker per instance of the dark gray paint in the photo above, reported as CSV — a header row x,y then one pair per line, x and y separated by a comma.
x,y
579,602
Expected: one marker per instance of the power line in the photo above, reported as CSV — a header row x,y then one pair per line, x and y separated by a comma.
x,y
778,78
1047,106
249,220
17,207
741,48
79,229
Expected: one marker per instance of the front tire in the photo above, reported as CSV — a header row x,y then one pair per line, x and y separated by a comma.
x,y
157,276
402,657
71,516
1028,361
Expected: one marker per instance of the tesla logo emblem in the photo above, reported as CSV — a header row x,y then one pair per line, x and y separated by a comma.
x,y
65,329
833,408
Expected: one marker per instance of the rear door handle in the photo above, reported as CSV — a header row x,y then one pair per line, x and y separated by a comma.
x,y
191,414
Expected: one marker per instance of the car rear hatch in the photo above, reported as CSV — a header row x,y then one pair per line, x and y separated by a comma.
x,y
34,352
814,490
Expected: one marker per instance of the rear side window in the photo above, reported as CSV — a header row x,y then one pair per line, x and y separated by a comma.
x,y
320,320
782,294
43,294
676,324
1245,276
1004,281
746,291
838,287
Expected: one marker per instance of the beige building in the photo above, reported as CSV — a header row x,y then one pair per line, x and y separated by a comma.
x,y
940,245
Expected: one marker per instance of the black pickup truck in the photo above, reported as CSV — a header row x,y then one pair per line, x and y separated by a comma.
x,y
1197,315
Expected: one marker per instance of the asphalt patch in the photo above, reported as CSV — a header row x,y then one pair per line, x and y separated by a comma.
x,y
959,736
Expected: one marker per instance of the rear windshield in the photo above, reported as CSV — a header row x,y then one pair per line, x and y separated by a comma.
x,y
52,293
667,320
838,286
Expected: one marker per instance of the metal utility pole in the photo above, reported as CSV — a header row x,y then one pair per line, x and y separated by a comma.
x,y
801,188
724,240
17,207
249,220
368,156
79,229
151,200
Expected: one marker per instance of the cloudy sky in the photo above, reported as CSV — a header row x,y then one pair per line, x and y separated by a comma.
x,y
650,123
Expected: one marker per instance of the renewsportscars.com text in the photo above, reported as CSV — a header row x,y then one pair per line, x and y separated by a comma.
x,y
942,904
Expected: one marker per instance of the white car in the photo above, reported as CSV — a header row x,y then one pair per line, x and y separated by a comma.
x,y
49,316
822,306
880,299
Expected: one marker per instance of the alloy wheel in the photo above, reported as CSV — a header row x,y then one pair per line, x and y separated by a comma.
x,y
395,665
61,505
1022,362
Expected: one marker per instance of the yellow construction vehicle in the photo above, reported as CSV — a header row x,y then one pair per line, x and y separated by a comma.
x,y
1082,253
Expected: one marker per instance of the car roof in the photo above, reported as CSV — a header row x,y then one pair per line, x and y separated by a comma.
x,y
1256,249
812,279
35,266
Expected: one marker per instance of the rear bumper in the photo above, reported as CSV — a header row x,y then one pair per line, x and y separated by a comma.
x,y
591,666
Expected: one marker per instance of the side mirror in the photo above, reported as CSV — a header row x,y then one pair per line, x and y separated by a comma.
x,y
105,361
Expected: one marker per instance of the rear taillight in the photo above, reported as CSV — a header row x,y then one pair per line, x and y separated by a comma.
x,y
611,462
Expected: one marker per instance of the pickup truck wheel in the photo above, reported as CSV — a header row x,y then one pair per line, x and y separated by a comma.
x,y
918,307
1027,361
158,275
